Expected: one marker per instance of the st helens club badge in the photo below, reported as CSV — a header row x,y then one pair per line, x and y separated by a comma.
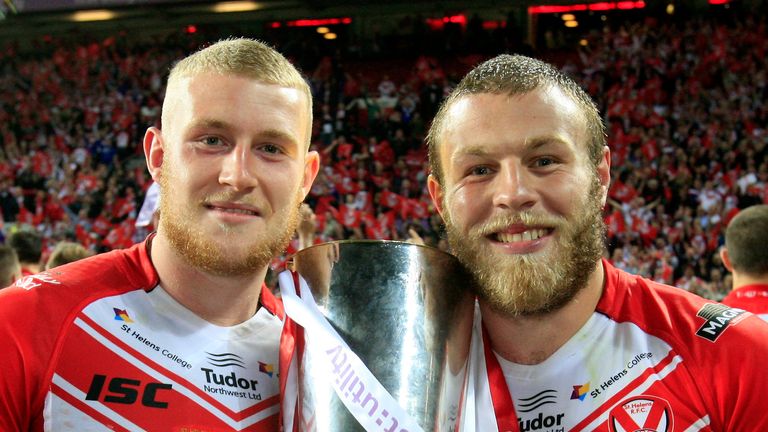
x,y
642,413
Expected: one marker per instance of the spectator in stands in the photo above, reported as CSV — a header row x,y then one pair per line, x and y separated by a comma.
x,y
29,248
66,252
149,213
745,255
163,323
520,174
10,268
691,113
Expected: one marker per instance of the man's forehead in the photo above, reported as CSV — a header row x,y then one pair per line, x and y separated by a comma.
x,y
182,90
465,105
472,116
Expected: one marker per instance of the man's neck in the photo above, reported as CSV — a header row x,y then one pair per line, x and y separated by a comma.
x,y
741,280
532,339
220,300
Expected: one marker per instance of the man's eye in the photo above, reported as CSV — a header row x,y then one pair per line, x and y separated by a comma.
x,y
271,148
543,161
480,171
212,141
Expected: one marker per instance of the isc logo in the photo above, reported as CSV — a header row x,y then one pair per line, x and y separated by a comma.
x,y
126,391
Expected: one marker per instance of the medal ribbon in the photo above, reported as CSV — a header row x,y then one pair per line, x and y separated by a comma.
x,y
291,349
357,388
503,407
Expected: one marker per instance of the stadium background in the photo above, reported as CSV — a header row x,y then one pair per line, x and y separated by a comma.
x,y
681,84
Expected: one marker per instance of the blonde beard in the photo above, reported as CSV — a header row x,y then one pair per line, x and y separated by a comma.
x,y
192,245
525,285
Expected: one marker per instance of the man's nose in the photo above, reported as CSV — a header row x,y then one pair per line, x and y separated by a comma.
x,y
236,170
513,188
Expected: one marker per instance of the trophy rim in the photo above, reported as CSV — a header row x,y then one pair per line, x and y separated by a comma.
x,y
372,241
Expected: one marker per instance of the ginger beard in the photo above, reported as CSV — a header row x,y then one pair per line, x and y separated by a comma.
x,y
533,284
216,258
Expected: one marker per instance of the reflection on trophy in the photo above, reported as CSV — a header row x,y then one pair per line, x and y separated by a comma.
x,y
405,311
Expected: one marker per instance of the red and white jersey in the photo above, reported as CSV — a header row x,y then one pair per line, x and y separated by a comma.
x,y
651,358
98,345
753,298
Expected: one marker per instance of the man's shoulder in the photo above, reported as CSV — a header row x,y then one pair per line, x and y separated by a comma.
x,y
37,312
683,319
630,296
60,290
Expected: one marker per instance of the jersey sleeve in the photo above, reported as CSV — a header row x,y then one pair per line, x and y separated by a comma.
x,y
724,350
735,369
25,351
35,314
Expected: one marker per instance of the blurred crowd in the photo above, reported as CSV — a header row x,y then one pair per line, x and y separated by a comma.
x,y
684,105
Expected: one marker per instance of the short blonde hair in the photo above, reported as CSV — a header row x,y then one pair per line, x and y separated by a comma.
x,y
516,75
66,252
248,58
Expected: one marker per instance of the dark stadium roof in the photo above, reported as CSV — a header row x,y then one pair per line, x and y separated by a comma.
x,y
29,18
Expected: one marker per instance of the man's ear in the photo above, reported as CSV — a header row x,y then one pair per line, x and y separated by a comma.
x,y
726,259
153,151
436,192
311,168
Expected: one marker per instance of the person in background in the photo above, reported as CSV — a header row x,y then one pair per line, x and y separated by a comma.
x,y
66,252
29,248
10,268
177,332
745,255
149,214
564,340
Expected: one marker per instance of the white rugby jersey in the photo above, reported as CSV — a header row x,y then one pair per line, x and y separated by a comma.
x,y
97,345
651,358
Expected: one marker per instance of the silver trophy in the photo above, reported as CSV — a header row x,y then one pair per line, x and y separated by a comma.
x,y
406,311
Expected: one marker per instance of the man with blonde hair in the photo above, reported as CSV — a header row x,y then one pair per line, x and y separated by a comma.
x,y
566,341
179,331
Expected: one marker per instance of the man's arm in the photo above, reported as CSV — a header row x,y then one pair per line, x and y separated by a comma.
x,y
21,402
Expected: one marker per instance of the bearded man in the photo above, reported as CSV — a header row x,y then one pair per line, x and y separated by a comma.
x,y
565,341
178,332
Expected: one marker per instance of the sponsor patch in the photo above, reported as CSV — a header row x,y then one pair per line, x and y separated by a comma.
x,y
532,403
267,368
580,392
717,318
225,360
122,315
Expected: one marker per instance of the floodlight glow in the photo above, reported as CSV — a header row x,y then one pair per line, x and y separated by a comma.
x,y
235,6
93,15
